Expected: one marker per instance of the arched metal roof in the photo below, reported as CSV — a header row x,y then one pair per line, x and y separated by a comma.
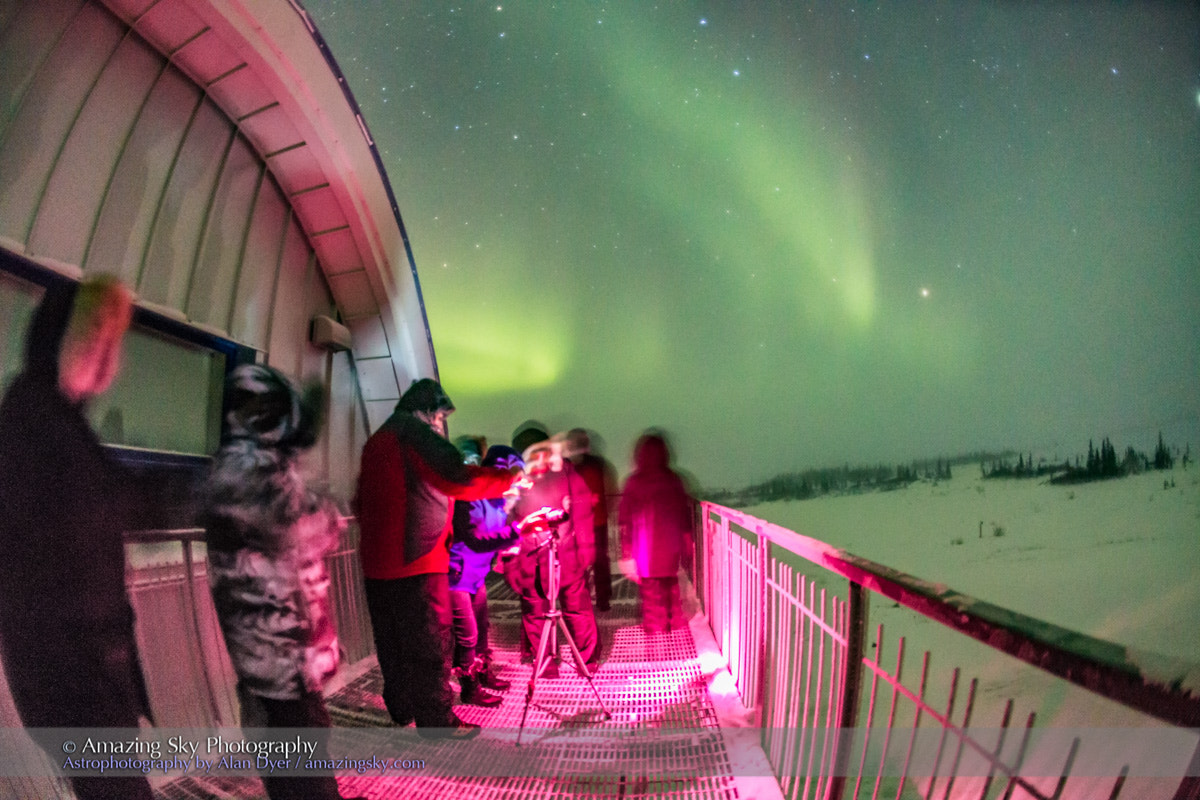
x,y
264,64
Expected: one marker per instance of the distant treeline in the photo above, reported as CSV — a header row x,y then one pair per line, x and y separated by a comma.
x,y
845,480
1101,463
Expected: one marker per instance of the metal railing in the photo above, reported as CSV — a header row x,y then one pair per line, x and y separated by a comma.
x,y
837,720
189,677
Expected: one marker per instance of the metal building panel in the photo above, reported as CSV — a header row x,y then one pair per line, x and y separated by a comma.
x,y
289,315
170,25
377,378
44,118
241,93
370,340
256,280
206,58
378,412
314,367
83,171
271,131
25,41
319,210
17,303
297,170
338,251
210,298
353,293
130,10
345,427
8,9
184,209
129,209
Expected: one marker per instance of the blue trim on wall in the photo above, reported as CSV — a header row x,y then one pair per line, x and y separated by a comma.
x,y
35,273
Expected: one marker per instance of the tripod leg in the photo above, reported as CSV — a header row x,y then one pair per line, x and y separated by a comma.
x,y
539,664
581,665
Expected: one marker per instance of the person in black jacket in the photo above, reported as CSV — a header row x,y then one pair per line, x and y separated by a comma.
x,y
66,624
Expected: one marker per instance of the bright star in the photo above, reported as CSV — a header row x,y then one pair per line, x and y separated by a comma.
x,y
924,292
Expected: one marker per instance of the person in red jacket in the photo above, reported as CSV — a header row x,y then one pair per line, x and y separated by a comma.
x,y
656,521
410,474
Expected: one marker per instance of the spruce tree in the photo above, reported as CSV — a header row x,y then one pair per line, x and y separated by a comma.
x,y
1162,456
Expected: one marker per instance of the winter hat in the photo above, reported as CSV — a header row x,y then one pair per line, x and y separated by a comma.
x,y
471,447
528,433
652,451
425,395
262,405
498,453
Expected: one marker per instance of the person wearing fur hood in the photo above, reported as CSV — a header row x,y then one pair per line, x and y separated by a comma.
x,y
268,536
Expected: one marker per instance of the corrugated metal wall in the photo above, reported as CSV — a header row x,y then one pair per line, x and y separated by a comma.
x,y
112,160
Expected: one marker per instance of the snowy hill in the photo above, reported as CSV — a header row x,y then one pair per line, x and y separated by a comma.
x,y
1118,559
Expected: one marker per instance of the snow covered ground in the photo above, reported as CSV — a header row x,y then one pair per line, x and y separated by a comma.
x,y
1118,560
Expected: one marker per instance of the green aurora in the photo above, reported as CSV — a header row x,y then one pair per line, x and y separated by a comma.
x,y
797,235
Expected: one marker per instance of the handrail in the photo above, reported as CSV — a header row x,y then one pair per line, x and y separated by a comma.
x,y
164,535
186,538
190,534
215,699
1157,685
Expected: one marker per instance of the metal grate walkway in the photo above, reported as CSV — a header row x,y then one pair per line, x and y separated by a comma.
x,y
664,739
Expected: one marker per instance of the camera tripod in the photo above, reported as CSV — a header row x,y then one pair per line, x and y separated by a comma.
x,y
552,624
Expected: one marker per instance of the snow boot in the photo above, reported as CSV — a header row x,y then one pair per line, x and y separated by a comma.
x,y
488,679
474,694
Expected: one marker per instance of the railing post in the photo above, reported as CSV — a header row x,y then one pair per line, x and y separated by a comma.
x,y
760,686
851,689
189,571
724,586
1189,787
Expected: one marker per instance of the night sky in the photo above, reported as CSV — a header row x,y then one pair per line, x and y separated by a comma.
x,y
797,235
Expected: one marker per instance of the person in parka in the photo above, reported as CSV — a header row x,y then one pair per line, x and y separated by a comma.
x,y
656,521
66,623
409,476
481,531
268,536
554,503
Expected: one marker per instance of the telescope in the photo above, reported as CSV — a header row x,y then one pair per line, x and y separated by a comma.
x,y
543,518
543,523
